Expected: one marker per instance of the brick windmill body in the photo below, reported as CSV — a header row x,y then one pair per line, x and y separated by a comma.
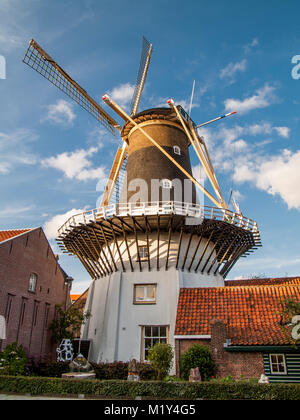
x,y
155,237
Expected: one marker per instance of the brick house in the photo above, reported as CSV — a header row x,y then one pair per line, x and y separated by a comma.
x,y
32,283
242,325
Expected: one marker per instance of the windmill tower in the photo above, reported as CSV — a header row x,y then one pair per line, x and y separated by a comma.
x,y
150,236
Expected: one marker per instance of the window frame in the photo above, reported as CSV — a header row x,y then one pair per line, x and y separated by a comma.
x,y
166,181
144,302
35,286
176,150
159,337
277,363
143,258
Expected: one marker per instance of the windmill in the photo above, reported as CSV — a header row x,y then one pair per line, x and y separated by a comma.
x,y
144,250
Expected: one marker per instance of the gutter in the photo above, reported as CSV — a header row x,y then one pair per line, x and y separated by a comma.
x,y
287,349
192,337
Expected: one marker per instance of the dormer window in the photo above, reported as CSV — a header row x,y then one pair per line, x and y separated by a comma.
x,y
166,183
176,150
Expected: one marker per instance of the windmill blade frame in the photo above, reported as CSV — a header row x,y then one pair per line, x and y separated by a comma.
x,y
142,74
36,58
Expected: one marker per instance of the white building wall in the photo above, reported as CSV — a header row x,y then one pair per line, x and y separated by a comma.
x,y
115,328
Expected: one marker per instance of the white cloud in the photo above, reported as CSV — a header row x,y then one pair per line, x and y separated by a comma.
x,y
61,113
15,150
280,175
122,94
4,167
277,175
11,211
248,47
232,68
283,131
76,164
263,98
51,226
247,161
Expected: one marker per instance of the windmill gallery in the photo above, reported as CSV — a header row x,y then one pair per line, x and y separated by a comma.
x,y
157,258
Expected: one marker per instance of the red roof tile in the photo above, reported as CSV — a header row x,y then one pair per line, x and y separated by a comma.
x,y
264,282
251,314
8,234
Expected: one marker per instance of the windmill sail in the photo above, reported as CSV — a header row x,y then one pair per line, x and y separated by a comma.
x,y
114,180
41,62
141,77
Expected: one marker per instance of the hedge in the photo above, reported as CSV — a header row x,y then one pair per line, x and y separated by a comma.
x,y
154,389
104,371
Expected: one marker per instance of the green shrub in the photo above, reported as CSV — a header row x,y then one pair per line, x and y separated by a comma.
x,y
154,389
13,360
104,371
116,370
197,356
48,369
161,356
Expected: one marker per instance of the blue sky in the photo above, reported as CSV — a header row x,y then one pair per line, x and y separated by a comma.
x,y
52,153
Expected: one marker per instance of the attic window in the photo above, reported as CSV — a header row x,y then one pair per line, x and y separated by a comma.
x,y
176,150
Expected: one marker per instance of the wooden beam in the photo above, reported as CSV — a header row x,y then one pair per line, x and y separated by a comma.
x,y
107,246
225,254
216,257
187,250
232,257
127,247
179,247
237,255
204,250
124,223
92,253
137,244
85,258
108,266
158,236
212,251
137,223
195,252
169,243
77,254
118,249
148,248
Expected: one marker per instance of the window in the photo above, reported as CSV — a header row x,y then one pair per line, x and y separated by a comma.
x,y
35,313
32,282
166,183
144,293
277,363
153,335
143,253
8,307
176,150
46,317
22,312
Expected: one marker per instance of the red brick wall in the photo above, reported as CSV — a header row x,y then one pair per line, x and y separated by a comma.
x,y
235,364
19,257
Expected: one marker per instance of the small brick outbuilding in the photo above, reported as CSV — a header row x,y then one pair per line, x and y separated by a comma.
x,y
242,325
